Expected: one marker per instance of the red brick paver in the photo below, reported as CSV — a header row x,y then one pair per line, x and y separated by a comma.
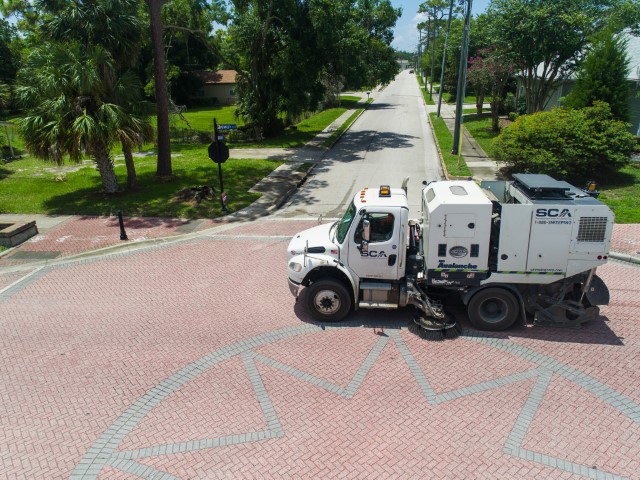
x,y
151,351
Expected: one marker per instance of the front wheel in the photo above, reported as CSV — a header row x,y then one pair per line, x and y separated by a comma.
x,y
328,301
493,309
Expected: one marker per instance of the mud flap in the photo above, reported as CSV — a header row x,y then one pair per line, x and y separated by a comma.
x,y
597,293
566,314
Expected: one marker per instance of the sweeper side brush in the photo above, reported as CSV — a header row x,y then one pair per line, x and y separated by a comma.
x,y
435,329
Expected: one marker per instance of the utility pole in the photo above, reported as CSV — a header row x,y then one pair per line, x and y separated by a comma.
x,y
433,54
462,81
419,65
444,57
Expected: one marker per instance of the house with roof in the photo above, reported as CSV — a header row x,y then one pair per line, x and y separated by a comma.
x,y
563,87
219,85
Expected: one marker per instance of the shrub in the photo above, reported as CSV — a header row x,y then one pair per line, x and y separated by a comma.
x,y
566,143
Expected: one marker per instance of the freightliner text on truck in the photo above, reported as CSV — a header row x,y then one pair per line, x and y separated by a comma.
x,y
509,249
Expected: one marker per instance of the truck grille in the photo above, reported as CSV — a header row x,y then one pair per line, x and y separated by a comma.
x,y
592,229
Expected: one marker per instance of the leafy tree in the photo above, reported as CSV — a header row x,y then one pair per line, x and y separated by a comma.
x,y
73,97
289,53
603,76
489,74
547,37
189,42
566,143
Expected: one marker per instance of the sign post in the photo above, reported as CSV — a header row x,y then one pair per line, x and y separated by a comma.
x,y
219,153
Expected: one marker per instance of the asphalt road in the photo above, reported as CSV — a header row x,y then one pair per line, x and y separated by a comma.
x,y
390,141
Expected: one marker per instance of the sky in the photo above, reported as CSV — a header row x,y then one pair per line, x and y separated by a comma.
x,y
406,32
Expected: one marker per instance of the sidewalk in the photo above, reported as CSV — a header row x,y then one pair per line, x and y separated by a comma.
x,y
70,236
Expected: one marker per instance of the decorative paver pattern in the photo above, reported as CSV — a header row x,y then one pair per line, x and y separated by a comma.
x,y
192,360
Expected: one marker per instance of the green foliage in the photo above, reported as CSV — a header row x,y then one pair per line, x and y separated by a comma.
x,y
566,143
549,36
27,187
290,54
603,76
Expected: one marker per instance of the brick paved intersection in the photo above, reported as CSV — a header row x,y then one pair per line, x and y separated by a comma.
x,y
192,360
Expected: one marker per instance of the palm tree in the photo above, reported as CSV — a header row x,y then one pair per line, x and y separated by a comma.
x,y
116,26
74,100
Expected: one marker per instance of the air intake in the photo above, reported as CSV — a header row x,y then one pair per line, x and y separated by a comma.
x,y
592,229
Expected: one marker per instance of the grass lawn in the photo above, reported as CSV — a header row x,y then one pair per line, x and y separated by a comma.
x,y
201,119
479,127
456,166
621,192
449,98
425,91
298,135
31,186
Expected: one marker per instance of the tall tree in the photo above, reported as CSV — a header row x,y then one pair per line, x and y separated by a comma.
x,y
603,76
547,37
8,65
436,9
163,168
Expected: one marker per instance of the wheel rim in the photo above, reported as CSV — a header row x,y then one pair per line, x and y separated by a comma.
x,y
494,310
327,302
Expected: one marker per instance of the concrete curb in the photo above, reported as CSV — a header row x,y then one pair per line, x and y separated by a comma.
x,y
624,257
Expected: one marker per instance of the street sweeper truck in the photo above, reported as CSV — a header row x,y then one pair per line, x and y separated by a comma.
x,y
521,249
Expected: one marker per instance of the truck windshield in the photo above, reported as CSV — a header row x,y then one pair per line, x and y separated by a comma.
x,y
345,223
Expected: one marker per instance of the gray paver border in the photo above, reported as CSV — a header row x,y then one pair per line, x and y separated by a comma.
x,y
104,450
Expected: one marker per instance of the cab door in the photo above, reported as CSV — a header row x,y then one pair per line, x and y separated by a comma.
x,y
379,258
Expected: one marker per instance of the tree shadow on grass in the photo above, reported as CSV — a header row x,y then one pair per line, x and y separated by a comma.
x,y
613,179
4,172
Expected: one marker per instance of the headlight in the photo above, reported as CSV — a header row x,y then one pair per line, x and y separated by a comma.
x,y
295,266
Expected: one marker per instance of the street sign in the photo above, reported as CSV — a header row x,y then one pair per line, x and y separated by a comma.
x,y
227,126
218,152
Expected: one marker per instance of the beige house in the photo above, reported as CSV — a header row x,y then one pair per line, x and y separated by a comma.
x,y
220,85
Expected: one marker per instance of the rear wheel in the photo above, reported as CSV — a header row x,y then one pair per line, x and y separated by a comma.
x,y
493,309
328,301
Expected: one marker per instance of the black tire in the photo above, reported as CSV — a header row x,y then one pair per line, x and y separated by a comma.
x,y
493,309
328,301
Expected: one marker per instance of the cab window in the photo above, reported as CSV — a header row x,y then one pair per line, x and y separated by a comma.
x,y
381,227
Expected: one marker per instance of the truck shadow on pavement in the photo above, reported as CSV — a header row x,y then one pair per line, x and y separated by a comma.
x,y
596,332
